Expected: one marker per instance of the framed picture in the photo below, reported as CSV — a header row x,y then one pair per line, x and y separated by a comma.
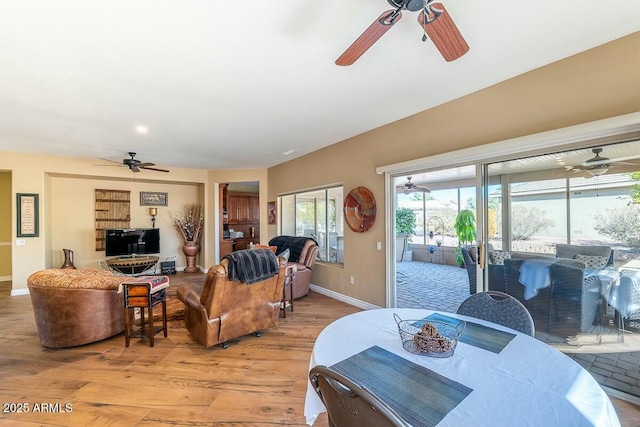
x,y
149,198
28,219
271,209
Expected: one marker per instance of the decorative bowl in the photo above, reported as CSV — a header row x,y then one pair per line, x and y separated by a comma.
x,y
429,337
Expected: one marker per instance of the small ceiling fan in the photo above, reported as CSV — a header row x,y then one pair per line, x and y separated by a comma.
x,y
134,165
410,187
434,20
599,165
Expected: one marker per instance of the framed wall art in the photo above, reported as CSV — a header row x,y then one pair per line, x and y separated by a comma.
x,y
28,219
149,198
271,209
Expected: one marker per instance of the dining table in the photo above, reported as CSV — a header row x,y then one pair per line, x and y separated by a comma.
x,y
495,377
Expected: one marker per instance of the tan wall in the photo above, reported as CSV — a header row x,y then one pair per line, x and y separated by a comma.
x,y
593,85
66,188
66,194
73,214
5,224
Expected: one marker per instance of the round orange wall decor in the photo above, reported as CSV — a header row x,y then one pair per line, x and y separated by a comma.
x,y
360,209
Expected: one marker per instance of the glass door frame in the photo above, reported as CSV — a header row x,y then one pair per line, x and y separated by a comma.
x,y
573,137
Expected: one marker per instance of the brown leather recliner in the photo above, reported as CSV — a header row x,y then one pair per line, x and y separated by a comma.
x,y
304,252
223,309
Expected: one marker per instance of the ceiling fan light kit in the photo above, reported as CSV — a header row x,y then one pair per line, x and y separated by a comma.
x,y
434,19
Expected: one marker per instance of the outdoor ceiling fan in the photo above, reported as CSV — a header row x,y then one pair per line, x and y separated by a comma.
x,y
133,164
599,165
434,20
410,187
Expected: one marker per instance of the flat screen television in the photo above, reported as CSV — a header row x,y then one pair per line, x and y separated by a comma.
x,y
132,241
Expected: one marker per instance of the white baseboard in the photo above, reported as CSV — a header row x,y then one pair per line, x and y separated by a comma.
x,y
344,298
5,278
16,292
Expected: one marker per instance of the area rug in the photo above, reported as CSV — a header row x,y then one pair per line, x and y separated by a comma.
x,y
175,310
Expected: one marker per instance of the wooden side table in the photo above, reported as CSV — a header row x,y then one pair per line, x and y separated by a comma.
x,y
144,293
290,273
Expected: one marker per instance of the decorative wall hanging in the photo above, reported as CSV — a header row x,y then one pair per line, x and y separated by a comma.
x,y
27,214
360,209
150,198
271,209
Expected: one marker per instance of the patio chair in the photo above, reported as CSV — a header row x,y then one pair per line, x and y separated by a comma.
x,y
500,308
350,405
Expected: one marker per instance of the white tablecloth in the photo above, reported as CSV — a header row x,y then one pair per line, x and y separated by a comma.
x,y
527,384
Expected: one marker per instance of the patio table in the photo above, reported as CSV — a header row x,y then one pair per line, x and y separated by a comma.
x,y
525,383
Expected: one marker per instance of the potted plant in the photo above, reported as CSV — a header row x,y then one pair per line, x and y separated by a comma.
x,y
405,228
465,227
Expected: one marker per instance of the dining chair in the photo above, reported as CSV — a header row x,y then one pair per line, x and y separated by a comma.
x,y
500,308
351,405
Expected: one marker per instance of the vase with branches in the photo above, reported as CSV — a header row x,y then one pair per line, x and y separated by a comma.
x,y
190,223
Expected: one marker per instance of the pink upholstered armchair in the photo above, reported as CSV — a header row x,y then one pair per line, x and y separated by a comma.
x,y
303,252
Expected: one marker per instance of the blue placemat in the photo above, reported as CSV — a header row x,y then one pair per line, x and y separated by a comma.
x,y
419,395
478,335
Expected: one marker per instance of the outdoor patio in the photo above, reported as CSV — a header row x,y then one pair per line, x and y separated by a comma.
x,y
444,287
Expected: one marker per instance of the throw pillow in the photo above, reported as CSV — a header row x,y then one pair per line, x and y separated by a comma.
x,y
592,262
285,254
498,257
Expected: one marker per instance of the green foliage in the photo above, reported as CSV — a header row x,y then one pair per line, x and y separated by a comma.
x,y
635,189
405,221
527,221
465,227
620,224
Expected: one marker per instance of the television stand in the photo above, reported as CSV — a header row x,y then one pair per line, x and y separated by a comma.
x,y
131,265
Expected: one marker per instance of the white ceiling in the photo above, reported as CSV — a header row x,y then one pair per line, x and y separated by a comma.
x,y
223,86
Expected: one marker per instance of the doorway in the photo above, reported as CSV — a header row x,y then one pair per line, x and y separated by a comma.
x,y
429,273
5,232
239,216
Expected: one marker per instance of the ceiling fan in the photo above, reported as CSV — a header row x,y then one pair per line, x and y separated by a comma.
x,y
434,20
410,187
134,165
599,165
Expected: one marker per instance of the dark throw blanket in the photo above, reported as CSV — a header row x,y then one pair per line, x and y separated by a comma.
x,y
252,265
295,244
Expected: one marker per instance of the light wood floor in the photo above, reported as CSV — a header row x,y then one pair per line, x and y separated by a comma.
x,y
255,382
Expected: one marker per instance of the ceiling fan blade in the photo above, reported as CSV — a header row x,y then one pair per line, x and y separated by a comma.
x,y
145,164
109,160
152,169
369,37
443,32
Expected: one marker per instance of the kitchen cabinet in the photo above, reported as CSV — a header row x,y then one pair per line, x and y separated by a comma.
x,y
226,247
254,209
243,209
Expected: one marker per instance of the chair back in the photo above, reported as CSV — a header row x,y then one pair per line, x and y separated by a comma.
x,y
500,308
350,405
470,265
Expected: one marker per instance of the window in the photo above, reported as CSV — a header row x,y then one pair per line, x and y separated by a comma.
x,y
436,213
317,214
